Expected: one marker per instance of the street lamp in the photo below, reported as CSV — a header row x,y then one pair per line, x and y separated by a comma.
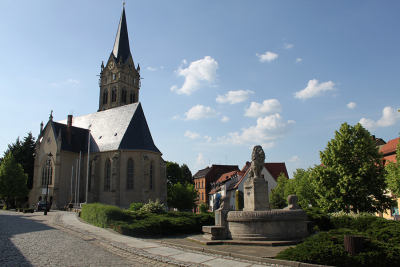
x,y
48,163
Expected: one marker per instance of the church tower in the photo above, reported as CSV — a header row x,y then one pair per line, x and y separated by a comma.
x,y
119,79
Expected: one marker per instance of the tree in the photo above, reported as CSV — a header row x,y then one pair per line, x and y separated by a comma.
x,y
12,179
187,174
393,173
352,175
182,196
24,154
277,198
174,173
302,186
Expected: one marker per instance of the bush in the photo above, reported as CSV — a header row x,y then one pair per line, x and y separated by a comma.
x,y
153,207
321,219
101,215
136,206
203,207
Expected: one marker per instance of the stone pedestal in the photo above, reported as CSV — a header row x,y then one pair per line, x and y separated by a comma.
x,y
256,195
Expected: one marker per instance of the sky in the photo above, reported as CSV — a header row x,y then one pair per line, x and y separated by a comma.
x,y
218,76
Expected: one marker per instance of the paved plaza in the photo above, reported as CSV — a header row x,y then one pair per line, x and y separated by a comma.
x,y
61,239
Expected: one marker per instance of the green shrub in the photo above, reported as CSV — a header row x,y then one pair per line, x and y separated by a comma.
x,y
136,206
321,219
203,207
101,215
153,207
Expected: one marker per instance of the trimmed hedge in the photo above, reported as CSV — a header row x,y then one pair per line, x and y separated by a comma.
x,y
145,224
321,220
381,247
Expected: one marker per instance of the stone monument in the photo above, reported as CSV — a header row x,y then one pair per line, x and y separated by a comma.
x,y
257,222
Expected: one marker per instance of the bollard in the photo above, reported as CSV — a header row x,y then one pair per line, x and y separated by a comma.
x,y
353,244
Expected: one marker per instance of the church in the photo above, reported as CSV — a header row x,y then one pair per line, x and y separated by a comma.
x,y
108,156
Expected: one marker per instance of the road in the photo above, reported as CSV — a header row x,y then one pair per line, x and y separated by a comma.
x,y
34,241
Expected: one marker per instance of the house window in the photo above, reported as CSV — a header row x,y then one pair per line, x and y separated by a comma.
x,y
47,174
132,97
114,94
107,180
123,95
105,96
129,175
151,177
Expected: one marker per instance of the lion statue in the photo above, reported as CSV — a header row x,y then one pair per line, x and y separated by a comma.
x,y
257,162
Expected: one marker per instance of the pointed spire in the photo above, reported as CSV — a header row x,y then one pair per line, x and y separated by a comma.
x,y
121,49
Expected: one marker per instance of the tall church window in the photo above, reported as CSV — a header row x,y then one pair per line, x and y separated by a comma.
x,y
105,80
105,96
132,97
114,76
107,180
114,94
129,175
47,174
151,177
123,95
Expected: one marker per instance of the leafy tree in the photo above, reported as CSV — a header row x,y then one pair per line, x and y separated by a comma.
x,y
352,174
203,207
393,173
12,179
277,198
174,173
24,154
182,196
187,174
302,186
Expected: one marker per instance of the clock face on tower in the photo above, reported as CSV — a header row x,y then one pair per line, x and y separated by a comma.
x,y
111,65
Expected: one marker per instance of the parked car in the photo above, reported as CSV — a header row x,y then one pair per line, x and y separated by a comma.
x,y
42,205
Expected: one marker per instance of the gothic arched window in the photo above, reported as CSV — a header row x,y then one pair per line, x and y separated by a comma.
x,y
114,94
132,97
151,176
47,174
105,96
107,180
129,175
123,95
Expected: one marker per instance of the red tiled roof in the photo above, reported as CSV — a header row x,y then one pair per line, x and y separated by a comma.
x,y
389,158
390,147
226,176
276,168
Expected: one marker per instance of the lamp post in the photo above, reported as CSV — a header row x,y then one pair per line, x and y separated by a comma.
x,y
48,163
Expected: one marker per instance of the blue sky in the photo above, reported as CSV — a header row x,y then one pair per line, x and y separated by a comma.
x,y
218,76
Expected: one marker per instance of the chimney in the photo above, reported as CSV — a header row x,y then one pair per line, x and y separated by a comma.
x,y
373,137
69,128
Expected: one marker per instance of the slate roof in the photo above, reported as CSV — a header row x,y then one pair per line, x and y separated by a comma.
x,y
79,137
121,45
201,173
120,128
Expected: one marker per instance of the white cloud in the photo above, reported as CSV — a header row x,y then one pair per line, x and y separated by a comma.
x,y
295,160
351,105
199,161
151,69
268,56
314,89
69,81
266,130
191,135
267,107
176,117
199,73
389,117
234,97
288,46
225,119
199,112
208,138
299,59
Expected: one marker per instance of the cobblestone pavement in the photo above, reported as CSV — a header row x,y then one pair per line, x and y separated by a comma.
x,y
26,242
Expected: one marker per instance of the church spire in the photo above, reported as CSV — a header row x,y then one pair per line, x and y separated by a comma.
x,y
121,49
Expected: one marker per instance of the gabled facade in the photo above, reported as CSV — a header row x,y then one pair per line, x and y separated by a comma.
x,y
108,156
227,184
